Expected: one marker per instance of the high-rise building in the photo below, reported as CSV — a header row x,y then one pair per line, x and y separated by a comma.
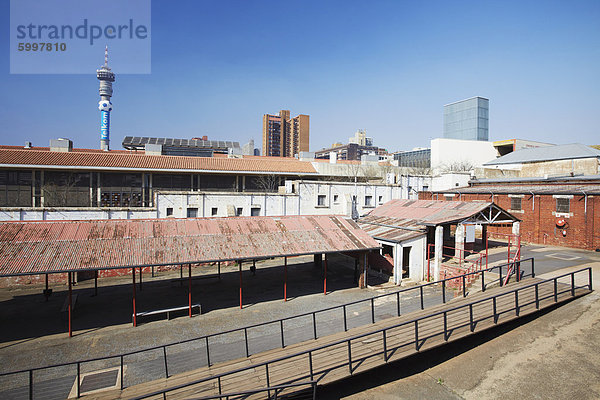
x,y
467,119
284,136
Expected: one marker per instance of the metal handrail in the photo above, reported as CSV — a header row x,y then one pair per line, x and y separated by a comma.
x,y
441,282
276,388
411,321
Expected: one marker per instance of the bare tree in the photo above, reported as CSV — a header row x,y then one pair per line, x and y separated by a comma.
x,y
458,166
267,183
62,193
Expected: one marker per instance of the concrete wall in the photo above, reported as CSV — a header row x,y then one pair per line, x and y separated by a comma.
x,y
585,166
450,181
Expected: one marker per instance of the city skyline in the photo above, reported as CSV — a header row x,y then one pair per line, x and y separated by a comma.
x,y
388,67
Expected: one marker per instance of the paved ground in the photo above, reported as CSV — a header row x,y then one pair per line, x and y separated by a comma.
x,y
550,356
102,323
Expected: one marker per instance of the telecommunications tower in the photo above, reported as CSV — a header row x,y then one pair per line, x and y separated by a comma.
x,y
106,78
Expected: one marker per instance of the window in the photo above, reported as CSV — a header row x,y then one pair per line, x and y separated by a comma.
x,y
214,211
255,211
192,212
425,188
169,211
515,203
368,201
239,211
321,200
336,198
380,199
563,205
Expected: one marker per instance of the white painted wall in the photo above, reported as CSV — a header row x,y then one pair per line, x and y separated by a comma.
x,y
447,151
451,180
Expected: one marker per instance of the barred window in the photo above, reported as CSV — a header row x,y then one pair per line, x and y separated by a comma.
x,y
515,203
563,205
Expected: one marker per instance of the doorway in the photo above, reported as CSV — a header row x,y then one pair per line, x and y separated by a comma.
x,y
405,261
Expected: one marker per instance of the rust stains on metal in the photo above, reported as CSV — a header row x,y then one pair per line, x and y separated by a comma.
x,y
40,247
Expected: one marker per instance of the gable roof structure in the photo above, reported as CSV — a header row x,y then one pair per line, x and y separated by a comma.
x,y
546,153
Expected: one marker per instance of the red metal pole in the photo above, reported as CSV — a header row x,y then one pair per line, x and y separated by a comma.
x,y
70,305
190,287
487,235
325,277
134,313
240,285
285,279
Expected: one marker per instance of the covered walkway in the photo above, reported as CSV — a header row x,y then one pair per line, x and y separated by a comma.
x,y
34,248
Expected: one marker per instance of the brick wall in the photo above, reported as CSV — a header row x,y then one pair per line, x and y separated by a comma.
x,y
539,222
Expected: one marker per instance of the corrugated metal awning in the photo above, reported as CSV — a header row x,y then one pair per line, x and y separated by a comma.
x,y
61,246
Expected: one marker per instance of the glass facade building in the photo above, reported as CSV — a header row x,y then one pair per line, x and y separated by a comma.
x,y
467,119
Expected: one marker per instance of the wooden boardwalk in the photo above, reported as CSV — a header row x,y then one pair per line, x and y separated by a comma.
x,y
338,356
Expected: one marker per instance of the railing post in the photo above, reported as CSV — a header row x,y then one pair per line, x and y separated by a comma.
x,y
500,271
121,372
310,365
246,340
590,277
314,325
483,280
573,284
282,340
444,291
385,357
30,384
165,360
517,303
398,302
421,290
268,384
555,291
219,383
495,314
464,286
537,297
471,324
533,268
345,322
207,353
78,379
417,335
372,311
445,326
350,357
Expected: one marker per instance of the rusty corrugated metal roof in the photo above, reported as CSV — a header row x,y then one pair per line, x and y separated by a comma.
x,y
391,229
60,246
126,160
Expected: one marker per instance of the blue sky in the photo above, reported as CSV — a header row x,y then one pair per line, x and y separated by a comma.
x,y
384,66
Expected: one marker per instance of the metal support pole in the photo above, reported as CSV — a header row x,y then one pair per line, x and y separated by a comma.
x,y
590,278
444,291
240,285
70,304
140,279
487,235
325,276
190,287
285,279
96,283
134,312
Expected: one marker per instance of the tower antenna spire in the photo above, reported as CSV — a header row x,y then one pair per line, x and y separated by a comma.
x,y
106,56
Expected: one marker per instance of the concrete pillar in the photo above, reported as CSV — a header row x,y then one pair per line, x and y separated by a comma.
x,y
397,264
516,228
439,242
459,241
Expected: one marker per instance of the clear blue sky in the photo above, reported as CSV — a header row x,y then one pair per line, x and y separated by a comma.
x,y
385,66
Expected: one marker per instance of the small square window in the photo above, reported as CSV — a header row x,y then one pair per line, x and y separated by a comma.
x,y
563,205
368,201
239,211
255,211
214,211
169,211
192,212
321,200
515,203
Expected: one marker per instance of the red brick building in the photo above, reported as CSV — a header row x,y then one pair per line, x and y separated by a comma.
x,y
554,211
